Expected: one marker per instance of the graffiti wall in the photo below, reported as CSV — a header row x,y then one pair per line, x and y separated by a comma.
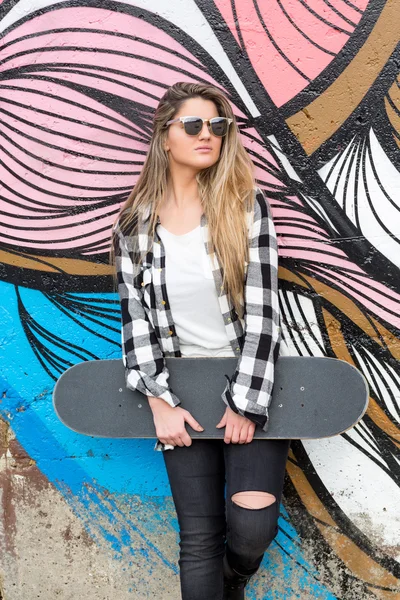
x,y
316,90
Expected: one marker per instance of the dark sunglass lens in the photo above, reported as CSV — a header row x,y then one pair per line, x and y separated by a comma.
x,y
219,126
193,126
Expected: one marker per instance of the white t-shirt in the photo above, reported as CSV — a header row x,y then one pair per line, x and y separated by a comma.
x,y
192,295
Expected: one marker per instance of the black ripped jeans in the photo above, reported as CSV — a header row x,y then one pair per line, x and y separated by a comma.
x,y
209,526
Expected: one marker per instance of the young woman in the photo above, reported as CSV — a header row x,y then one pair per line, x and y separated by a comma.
x,y
196,259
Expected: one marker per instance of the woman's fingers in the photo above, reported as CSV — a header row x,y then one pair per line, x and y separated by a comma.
x,y
244,432
235,434
192,421
222,422
238,429
186,439
250,433
228,433
170,425
232,433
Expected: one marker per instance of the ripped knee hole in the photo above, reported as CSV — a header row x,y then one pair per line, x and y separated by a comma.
x,y
253,499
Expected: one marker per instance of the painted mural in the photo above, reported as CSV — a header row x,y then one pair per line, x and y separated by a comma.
x,y
316,90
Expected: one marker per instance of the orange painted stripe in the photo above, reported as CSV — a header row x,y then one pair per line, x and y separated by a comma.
x,y
70,266
318,121
346,305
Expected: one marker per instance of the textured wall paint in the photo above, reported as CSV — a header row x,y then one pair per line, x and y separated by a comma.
x,y
315,88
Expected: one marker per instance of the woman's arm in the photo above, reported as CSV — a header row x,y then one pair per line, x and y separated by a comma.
x,y
249,391
143,359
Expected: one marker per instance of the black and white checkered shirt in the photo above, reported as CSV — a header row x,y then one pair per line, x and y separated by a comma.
x,y
148,331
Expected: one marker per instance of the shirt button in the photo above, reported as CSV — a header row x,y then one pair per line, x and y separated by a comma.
x,y
238,349
160,269
229,319
163,302
170,332
142,283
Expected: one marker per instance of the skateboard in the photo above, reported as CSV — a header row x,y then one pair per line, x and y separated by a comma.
x,y
312,398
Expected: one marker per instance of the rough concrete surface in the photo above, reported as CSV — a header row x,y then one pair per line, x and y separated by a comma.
x,y
52,549
48,554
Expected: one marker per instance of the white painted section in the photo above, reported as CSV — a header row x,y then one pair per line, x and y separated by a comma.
x,y
305,341
319,210
365,493
381,382
372,205
361,435
385,202
277,150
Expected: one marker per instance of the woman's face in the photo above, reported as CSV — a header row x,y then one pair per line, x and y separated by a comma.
x,y
197,151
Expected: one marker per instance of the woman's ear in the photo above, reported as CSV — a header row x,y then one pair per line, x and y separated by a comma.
x,y
165,142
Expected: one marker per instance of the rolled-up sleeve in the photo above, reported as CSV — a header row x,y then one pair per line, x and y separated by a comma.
x,y
249,391
145,368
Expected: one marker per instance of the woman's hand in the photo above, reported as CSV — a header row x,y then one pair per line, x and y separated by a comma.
x,y
170,422
238,429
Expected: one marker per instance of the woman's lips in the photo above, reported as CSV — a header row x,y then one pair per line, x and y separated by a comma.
x,y
203,149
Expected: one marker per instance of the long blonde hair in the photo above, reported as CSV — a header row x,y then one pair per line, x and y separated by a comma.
x,y
226,189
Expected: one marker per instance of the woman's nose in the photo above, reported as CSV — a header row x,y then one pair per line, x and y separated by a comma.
x,y
205,132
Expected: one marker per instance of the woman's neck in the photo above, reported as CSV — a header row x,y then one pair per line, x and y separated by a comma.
x,y
182,209
183,189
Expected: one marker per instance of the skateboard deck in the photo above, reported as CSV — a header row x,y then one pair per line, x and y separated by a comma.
x,y
312,398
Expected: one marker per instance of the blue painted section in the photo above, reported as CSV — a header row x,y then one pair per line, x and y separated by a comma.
x,y
130,466
73,462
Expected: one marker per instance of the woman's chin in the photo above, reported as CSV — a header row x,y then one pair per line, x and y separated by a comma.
x,y
204,162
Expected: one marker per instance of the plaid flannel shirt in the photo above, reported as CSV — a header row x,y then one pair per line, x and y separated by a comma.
x,y
148,331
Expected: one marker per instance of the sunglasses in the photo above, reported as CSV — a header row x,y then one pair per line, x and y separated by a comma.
x,y
193,125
